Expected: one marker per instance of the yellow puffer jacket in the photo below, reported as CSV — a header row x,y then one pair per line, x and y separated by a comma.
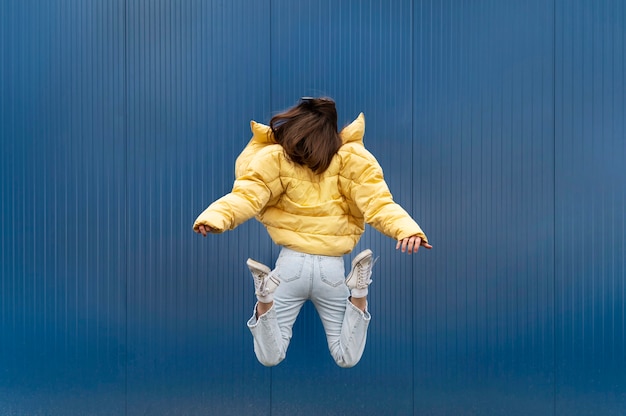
x,y
317,214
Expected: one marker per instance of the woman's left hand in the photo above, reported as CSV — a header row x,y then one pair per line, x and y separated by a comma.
x,y
411,244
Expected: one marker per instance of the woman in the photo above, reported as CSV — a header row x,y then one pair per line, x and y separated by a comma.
x,y
314,189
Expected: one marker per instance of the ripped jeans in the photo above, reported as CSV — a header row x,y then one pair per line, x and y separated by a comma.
x,y
320,279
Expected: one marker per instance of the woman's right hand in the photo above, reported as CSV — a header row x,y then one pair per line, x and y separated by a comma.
x,y
204,230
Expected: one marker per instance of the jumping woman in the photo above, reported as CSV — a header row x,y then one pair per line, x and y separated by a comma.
x,y
314,189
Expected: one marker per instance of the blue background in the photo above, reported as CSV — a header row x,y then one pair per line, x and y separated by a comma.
x,y
500,127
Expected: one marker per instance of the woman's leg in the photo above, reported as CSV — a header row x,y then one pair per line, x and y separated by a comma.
x,y
345,320
272,322
360,303
263,307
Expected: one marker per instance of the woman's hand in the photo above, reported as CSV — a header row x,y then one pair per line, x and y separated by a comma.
x,y
204,230
412,244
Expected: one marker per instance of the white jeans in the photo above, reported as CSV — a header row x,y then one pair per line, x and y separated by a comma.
x,y
320,279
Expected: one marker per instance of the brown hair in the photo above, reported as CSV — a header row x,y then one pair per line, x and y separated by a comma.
x,y
308,132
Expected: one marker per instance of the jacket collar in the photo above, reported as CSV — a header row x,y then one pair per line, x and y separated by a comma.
x,y
353,132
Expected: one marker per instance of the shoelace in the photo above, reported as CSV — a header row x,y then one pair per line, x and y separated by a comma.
x,y
263,289
364,273
260,278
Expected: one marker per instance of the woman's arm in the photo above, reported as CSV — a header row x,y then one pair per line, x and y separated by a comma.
x,y
370,193
252,190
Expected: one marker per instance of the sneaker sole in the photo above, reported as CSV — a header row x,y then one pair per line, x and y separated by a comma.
x,y
253,264
361,256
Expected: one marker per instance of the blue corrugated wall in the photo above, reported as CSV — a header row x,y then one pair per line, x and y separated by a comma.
x,y
500,127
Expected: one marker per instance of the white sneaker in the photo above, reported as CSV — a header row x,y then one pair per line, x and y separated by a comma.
x,y
359,277
265,283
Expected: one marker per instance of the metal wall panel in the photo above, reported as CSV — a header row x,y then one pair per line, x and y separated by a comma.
x,y
197,72
63,208
500,127
483,165
590,199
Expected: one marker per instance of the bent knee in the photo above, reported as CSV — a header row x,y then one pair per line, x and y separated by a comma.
x,y
270,361
343,363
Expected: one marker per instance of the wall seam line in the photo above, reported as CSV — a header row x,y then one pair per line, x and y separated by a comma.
x,y
554,270
271,384
126,201
413,332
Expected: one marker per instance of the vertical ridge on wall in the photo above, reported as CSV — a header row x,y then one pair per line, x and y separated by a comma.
x,y
556,80
590,195
124,240
63,286
197,75
483,129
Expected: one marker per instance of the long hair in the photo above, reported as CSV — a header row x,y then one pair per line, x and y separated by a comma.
x,y
308,133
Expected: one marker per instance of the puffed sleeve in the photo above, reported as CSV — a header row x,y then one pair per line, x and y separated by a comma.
x,y
367,189
257,183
